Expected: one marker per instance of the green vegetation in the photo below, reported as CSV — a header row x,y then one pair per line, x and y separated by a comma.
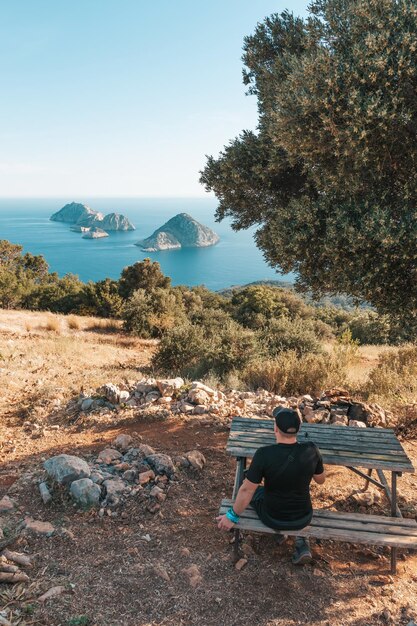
x,y
261,335
329,178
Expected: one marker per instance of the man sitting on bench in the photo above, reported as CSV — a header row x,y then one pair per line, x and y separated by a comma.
x,y
287,467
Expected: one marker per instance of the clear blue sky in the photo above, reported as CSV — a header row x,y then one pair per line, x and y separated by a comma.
x,y
121,97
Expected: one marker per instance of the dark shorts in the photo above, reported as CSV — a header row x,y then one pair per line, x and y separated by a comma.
x,y
258,503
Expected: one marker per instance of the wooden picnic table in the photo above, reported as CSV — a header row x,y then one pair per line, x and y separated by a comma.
x,y
352,447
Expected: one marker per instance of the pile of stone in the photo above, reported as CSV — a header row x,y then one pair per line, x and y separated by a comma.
x,y
119,472
174,397
335,406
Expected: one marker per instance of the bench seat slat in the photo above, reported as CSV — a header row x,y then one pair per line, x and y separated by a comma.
x,y
345,441
354,528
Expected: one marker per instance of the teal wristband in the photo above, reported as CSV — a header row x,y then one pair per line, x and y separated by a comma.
x,y
232,516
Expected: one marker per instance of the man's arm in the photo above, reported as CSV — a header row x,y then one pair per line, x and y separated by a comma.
x,y
320,478
243,498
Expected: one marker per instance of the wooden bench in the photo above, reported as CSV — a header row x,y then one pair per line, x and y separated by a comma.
x,y
394,532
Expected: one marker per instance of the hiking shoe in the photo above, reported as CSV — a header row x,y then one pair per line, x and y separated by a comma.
x,y
302,553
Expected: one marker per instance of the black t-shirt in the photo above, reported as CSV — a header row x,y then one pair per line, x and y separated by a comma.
x,y
287,470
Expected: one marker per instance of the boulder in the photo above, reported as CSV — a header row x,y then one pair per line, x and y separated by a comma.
x,y
108,456
6,504
138,454
123,442
146,477
161,464
152,396
65,468
87,404
85,492
196,459
147,385
199,396
196,384
158,493
110,392
115,487
39,528
357,424
168,386
124,397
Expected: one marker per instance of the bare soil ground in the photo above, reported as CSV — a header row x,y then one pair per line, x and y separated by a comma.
x,y
110,570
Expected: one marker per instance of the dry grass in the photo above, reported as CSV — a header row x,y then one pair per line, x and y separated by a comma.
x,y
53,324
74,322
39,368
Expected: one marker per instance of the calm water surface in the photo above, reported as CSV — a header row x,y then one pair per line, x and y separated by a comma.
x,y
234,261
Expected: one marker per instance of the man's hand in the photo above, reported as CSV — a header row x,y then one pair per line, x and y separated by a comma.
x,y
224,523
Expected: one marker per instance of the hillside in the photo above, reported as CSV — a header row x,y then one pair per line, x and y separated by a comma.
x,y
165,565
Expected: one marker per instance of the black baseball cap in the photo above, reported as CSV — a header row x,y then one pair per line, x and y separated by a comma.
x,y
287,420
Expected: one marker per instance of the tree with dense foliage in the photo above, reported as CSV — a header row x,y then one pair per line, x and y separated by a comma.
x,y
144,274
330,176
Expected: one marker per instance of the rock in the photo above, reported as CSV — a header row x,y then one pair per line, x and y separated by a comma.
x,y
45,493
152,396
307,398
181,231
110,392
97,477
123,442
367,498
147,385
185,552
167,387
124,397
115,487
6,504
316,417
108,455
38,527
160,571
196,459
199,396
339,420
153,507
357,424
129,475
335,392
200,409
158,494
161,464
196,384
87,404
95,233
194,575
146,477
241,564
85,492
51,593
65,468
164,400
186,407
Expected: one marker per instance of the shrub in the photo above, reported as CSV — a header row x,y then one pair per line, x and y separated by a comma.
x,y
216,347
395,376
255,305
102,299
152,313
290,374
285,334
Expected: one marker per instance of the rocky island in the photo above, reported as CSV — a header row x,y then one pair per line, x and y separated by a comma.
x,y
83,217
95,233
181,231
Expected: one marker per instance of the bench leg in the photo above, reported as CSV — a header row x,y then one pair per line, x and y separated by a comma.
x,y
394,514
369,473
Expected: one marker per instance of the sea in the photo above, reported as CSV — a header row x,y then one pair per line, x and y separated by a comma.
x,y
235,260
